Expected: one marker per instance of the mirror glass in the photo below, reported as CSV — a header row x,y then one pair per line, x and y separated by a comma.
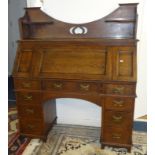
x,y
78,11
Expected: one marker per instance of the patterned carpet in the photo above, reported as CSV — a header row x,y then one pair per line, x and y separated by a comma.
x,y
68,140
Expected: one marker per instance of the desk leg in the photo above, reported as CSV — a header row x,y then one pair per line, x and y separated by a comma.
x,y
50,118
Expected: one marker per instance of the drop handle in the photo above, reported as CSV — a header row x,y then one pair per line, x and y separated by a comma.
x,y
30,126
28,98
57,85
29,111
26,84
117,118
84,87
118,103
116,136
118,90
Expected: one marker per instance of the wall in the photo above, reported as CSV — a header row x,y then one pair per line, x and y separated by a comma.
x,y
15,10
78,111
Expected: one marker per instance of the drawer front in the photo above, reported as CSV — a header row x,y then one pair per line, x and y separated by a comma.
x,y
27,84
119,89
71,86
117,135
28,98
30,111
119,103
114,118
34,127
55,85
87,87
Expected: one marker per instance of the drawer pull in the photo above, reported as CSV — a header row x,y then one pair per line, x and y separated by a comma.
x,y
84,87
117,118
57,85
26,85
116,136
29,111
30,126
118,90
27,98
118,103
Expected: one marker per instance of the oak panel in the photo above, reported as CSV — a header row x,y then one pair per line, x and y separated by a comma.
x,y
85,62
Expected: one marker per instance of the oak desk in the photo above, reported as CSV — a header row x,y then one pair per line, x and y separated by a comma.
x,y
95,61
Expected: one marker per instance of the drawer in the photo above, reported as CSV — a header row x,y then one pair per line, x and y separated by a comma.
x,y
117,135
117,119
32,111
119,89
28,98
119,103
72,86
27,84
55,85
87,87
34,127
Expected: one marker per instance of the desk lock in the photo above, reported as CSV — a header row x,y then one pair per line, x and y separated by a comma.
x,y
84,87
118,90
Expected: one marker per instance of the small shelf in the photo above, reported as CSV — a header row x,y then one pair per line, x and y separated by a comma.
x,y
38,22
120,20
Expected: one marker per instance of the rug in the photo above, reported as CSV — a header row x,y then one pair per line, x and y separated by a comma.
x,y
73,140
80,140
16,142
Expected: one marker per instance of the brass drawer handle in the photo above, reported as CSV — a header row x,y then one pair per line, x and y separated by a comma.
x,y
118,103
30,126
116,136
57,85
28,98
118,90
84,87
26,84
29,111
117,118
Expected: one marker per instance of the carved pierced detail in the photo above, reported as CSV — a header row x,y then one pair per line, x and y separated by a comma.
x,y
78,30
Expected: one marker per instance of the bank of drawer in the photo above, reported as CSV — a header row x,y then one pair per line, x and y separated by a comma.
x,y
28,98
31,111
115,118
117,135
70,86
34,127
119,103
27,84
119,89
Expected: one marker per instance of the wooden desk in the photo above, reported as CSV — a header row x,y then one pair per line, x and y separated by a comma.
x,y
95,61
